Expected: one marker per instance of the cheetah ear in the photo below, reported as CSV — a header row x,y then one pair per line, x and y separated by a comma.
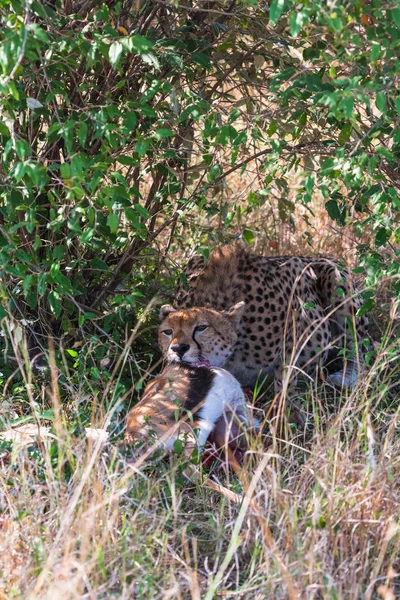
x,y
235,313
165,310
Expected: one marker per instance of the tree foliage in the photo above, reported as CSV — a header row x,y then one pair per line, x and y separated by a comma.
x,y
120,120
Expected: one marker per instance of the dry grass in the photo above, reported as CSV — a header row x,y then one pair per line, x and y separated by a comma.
x,y
78,521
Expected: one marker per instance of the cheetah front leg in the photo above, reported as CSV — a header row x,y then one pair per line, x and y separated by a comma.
x,y
350,333
305,345
283,403
340,300
347,377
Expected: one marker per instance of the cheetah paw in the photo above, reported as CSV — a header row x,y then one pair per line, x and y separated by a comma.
x,y
342,379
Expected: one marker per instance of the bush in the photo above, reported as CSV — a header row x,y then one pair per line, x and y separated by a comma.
x,y
120,120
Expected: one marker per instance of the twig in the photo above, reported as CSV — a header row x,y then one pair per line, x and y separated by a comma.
x,y
261,153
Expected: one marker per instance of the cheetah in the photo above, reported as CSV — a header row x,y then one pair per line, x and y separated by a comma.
x,y
194,393
296,309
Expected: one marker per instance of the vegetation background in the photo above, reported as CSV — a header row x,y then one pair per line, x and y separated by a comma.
x,y
133,133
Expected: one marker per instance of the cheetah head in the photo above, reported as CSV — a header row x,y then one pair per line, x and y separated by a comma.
x,y
193,335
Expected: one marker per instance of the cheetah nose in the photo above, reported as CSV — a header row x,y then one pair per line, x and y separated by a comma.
x,y
180,349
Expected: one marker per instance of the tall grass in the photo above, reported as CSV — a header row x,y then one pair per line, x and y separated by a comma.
x,y
78,520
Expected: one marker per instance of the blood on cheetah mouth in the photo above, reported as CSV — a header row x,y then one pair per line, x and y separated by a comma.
x,y
200,363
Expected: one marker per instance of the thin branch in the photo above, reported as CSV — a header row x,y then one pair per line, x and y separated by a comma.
x,y
264,152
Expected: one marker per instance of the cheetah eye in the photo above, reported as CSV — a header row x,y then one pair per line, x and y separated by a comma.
x,y
201,327
167,331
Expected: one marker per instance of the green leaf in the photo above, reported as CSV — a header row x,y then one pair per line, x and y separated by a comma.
x,y
115,52
214,172
297,20
249,236
163,133
48,414
195,457
144,47
308,305
130,120
347,106
344,134
336,22
201,59
38,33
395,14
55,303
72,353
276,9
375,52
87,235
382,236
281,77
82,133
380,101
178,447
273,126
132,215
143,212
194,110
19,171
148,111
97,263
142,146
140,44
226,134
112,222
334,211
366,306
22,149
13,90
382,151
42,284
89,315
128,161
27,282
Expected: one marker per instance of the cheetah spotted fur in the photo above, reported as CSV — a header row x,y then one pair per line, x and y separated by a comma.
x,y
296,308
